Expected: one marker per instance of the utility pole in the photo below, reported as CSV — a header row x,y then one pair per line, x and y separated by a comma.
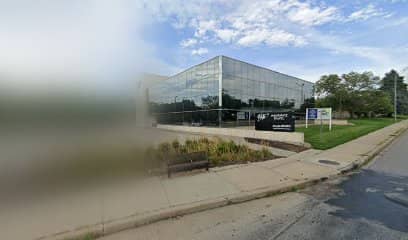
x,y
395,97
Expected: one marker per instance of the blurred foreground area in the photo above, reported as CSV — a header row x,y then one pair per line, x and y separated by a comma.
x,y
60,142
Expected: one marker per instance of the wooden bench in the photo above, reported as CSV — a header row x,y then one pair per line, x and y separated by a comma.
x,y
187,161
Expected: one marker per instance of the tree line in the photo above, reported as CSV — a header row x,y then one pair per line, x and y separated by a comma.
x,y
362,94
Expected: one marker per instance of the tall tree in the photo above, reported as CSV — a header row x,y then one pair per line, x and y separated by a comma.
x,y
355,81
387,85
354,92
378,102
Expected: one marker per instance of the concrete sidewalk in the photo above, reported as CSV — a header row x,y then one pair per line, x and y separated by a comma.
x,y
131,203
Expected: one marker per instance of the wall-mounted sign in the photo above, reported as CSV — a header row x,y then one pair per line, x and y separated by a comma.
x,y
280,121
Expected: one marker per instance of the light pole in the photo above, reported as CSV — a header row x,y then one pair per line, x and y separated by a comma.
x,y
395,97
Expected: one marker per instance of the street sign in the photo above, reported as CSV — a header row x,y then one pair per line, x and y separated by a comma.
x,y
279,121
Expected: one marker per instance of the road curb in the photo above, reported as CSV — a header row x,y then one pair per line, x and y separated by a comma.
x,y
368,157
386,145
383,146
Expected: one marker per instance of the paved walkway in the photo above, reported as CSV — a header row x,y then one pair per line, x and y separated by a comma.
x,y
124,204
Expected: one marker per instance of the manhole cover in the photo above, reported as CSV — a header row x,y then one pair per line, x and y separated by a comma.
x,y
329,162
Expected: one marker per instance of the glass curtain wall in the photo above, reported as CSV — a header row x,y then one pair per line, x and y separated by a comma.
x,y
249,88
190,97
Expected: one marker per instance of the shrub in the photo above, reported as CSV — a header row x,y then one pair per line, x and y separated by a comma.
x,y
176,145
266,153
164,148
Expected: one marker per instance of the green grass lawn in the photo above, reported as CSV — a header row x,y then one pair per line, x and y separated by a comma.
x,y
342,134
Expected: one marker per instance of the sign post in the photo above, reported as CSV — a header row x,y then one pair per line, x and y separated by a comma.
x,y
307,113
321,129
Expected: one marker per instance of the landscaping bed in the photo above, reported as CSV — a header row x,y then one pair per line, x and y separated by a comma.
x,y
220,152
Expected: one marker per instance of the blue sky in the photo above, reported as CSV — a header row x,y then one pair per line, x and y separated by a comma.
x,y
105,43
303,38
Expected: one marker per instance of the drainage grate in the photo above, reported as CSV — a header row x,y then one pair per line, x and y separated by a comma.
x,y
329,162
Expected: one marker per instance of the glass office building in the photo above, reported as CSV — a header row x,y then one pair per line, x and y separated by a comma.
x,y
224,91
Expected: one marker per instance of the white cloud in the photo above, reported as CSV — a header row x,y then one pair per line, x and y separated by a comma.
x,y
190,42
380,59
276,23
273,37
312,16
251,23
203,27
366,13
226,35
248,22
199,51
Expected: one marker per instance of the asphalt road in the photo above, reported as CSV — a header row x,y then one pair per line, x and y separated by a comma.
x,y
350,207
359,209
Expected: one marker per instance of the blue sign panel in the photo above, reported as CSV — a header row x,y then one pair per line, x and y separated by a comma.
x,y
312,113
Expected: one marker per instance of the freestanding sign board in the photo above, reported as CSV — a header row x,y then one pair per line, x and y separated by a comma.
x,y
279,121
319,114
